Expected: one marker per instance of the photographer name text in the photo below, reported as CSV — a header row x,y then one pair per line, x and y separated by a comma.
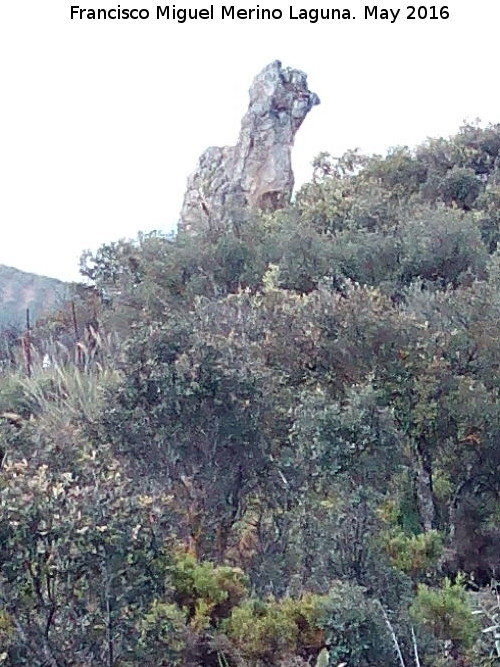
x,y
258,13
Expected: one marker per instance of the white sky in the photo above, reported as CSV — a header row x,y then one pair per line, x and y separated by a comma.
x,y
102,121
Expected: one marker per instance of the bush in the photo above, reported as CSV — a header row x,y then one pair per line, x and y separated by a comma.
x,y
354,628
441,245
275,630
446,613
415,555
208,593
461,187
163,630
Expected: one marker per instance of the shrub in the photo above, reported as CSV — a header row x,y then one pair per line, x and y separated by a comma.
x,y
446,612
440,245
207,592
461,187
163,630
414,555
275,630
354,628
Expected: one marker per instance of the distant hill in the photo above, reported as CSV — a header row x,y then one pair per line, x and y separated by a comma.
x,y
20,290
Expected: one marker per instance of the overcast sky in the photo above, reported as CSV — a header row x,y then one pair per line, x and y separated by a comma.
x,y
102,121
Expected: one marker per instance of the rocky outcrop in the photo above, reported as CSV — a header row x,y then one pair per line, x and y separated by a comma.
x,y
256,174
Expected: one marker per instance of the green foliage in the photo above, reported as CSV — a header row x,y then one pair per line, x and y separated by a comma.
x,y
354,628
461,187
489,205
74,544
262,632
67,390
487,611
272,630
400,172
307,402
415,555
446,612
356,437
14,398
207,593
163,630
441,245
6,629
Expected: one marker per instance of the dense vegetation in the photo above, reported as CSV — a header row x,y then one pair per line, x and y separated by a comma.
x,y
275,445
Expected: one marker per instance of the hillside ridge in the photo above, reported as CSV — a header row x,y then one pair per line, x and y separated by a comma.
x,y
21,290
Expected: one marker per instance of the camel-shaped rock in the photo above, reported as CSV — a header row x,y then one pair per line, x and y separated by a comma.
x,y
256,174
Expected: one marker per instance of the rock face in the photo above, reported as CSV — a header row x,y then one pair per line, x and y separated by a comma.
x,y
256,174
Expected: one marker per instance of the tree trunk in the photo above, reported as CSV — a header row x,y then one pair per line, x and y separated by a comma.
x,y
425,494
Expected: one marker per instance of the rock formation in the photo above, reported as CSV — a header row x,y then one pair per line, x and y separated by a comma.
x,y
256,174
